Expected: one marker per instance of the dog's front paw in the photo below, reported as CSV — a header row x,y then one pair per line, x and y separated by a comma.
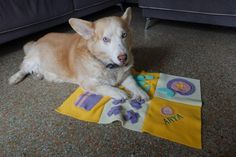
x,y
119,94
140,94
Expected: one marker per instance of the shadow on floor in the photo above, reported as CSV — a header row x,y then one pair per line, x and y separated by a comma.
x,y
153,56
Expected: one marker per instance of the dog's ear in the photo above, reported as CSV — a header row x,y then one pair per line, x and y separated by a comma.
x,y
127,15
82,27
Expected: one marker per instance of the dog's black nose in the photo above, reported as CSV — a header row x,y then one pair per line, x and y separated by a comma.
x,y
122,58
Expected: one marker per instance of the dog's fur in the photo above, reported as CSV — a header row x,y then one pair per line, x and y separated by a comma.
x,y
81,58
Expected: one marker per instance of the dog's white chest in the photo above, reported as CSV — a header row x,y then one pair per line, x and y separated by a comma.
x,y
116,76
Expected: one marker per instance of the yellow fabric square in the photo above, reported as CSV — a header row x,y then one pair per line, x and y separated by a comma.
x,y
68,108
174,121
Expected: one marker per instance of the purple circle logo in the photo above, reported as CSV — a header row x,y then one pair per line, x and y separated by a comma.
x,y
181,86
166,110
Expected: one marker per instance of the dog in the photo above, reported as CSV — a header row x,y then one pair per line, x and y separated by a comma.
x,y
97,57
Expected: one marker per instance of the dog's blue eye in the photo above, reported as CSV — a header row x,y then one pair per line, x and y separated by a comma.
x,y
105,39
124,35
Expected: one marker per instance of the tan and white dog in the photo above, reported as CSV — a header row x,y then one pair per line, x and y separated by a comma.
x,y
98,57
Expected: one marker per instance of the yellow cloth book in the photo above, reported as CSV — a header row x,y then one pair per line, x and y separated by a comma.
x,y
173,113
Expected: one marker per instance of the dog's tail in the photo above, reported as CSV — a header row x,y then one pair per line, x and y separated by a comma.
x,y
28,46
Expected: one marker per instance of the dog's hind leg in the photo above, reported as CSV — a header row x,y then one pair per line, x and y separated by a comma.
x,y
17,77
30,65
37,76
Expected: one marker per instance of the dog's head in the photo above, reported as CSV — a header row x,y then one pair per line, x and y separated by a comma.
x,y
109,38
